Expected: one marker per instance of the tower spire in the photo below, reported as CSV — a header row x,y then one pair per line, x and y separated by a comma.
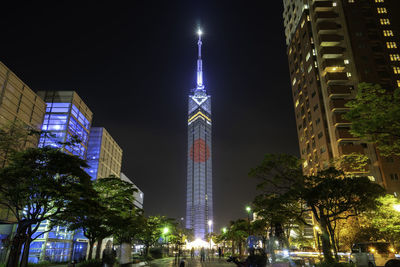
x,y
200,85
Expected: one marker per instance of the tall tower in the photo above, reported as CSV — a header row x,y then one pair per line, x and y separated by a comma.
x,y
199,207
332,46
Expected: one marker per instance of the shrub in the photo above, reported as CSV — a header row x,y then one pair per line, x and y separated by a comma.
x,y
41,264
335,264
90,263
156,253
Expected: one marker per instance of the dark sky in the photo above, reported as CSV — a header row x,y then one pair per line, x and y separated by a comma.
x,y
134,66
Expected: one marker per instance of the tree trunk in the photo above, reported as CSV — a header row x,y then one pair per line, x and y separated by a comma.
x,y
240,245
98,248
333,241
91,243
25,253
271,243
233,247
15,248
326,244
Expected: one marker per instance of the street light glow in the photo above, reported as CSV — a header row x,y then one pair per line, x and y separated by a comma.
x,y
165,230
396,207
224,230
209,222
199,32
248,209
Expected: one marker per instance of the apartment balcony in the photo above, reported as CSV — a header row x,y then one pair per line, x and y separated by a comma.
x,y
323,15
339,90
332,51
336,77
344,134
337,118
333,65
327,26
337,104
323,6
346,149
330,39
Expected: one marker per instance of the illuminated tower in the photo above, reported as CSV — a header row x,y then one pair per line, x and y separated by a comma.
x,y
199,204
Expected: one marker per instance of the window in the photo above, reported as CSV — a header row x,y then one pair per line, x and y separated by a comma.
x,y
351,1
394,57
297,103
388,33
385,21
396,70
394,177
381,10
309,68
379,1
308,56
348,74
315,107
323,149
320,135
318,121
313,94
294,81
398,83
346,61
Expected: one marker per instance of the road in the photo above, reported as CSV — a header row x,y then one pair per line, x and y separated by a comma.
x,y
169,262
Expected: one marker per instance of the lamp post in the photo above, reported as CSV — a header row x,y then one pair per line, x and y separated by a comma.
x,y
224,230
248,209
210,222
165,232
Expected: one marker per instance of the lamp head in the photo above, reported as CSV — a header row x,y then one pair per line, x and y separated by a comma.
x,y
199,32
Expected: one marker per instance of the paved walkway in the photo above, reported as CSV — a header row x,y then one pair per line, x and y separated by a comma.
x,y
170,262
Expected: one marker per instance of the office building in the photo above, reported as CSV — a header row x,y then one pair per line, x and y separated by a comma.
x,y
333,46
67,118
19,105
139,195
104,155
199,198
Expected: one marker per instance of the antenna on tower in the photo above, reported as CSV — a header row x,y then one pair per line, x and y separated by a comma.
x,y
200,85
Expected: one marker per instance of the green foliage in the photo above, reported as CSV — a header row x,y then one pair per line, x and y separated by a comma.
x,y
352,162
375,116
90,263
386,219
330,195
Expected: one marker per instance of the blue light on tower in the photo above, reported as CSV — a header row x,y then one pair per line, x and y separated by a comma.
x,y
199,198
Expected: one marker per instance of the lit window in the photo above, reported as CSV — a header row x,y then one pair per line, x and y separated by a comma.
x,y
391,45
381,10
394,57
346,61
334,4
309,68
308,18
379,1
297,103
314,52
348,74
351,1
398,83
396,70
385,21
388,33
294,81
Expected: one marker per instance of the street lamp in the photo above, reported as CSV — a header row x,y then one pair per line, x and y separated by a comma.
x,y
224,230
165,232
248,209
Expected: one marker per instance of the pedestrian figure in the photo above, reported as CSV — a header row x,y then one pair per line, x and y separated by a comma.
x,y
202,254
219,252
192,252
109,255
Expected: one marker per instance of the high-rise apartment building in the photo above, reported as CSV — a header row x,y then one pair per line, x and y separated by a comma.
x,y
333,45
199,199
104,155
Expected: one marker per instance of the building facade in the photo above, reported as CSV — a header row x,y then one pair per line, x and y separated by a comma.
x,y
335,45
19,105
199,198
139,195
104,155
67,118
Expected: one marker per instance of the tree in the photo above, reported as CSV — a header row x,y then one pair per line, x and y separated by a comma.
x,y
330,195
386,218
237,234
38,184
152,230
375,117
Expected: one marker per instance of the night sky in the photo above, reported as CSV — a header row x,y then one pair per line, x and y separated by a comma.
x,y
134,66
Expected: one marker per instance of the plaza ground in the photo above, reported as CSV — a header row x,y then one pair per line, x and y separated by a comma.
x,y
191,263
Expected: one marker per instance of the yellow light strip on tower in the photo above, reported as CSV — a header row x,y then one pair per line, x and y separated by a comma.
x,y
198,114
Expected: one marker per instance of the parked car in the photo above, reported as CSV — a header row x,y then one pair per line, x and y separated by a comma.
x,y
371,254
